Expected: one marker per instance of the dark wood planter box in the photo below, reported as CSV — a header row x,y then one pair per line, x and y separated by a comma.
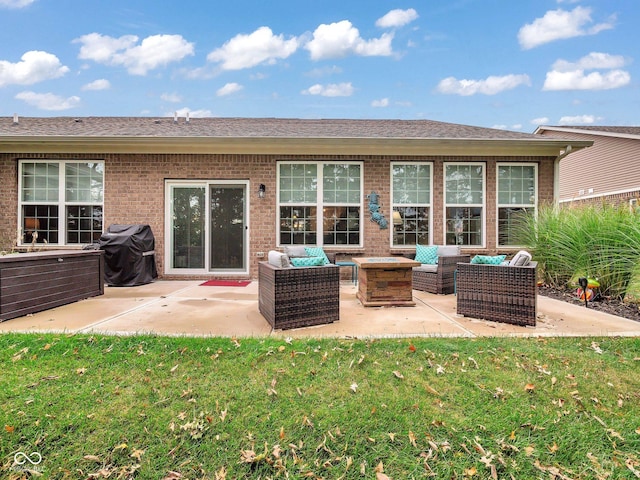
x,y
32,282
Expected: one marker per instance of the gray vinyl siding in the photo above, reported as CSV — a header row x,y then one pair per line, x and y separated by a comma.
x,y
610,167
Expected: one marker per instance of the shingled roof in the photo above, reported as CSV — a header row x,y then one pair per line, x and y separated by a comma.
x,y
613,131
267,136
247,127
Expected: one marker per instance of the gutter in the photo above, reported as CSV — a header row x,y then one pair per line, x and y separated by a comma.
x,y
287,145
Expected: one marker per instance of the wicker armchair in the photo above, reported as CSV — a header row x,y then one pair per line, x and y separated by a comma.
x,y
500,293
298,296
440,281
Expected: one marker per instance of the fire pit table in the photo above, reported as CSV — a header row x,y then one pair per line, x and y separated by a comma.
x,y
385,281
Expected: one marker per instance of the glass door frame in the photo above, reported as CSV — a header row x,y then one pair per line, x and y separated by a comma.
x,y
169,269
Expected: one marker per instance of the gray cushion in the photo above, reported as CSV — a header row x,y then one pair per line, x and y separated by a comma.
x,y
277,259
427,268
520,259
295,251
448,250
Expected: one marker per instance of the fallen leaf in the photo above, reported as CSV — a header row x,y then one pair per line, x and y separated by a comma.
x,y
174,368
529,450
80,371
596,348
9,428
412,438
382,476
122,446
440,370
432,390
354,387
412,348
529,387
470,472
172,476
553,448
281,433
398,374
137,454
92,458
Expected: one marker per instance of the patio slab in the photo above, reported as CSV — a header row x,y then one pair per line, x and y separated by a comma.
x,y
187,308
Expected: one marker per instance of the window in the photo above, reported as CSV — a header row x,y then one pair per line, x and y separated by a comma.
x,y
319,203
517,194
464,193
411,203
61,202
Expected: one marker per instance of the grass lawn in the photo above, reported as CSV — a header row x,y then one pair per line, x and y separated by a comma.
x,y
148,407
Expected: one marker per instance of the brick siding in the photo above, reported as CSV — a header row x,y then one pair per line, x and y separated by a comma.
x,y
134,193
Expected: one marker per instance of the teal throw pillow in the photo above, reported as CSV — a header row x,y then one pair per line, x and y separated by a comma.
x,y
427,254
317,252
307,261
488,259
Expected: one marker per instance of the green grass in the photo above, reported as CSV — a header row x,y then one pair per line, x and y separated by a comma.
x,y
144,407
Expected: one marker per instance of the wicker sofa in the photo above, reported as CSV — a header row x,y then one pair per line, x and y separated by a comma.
x,y
500,293
439,278
293,297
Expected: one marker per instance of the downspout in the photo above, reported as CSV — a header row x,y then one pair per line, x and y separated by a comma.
x,y
556,174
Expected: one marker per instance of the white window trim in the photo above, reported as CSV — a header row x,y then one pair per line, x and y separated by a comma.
x,y
499,205
483,205
319,204
62,204
430,204
168,244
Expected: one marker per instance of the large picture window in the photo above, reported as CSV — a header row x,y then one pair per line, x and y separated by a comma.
x,y
464,193
411,203
517,197
61,202
319,203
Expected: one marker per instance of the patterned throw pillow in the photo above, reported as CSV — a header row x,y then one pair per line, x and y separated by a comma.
x,y
317,252
427,255
488,259
307,261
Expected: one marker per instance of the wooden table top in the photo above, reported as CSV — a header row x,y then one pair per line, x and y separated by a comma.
x,y
385,262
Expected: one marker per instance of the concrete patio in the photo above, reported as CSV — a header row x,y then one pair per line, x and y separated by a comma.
x,y
187,308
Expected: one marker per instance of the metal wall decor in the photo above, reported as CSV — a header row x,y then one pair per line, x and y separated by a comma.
x,y
374,209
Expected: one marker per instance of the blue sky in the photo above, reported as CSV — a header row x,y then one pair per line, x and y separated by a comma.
x,y
493,63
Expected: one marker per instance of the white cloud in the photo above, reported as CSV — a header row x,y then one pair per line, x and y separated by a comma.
x,y
578,80
383,102
100,84
540,121
516,126
182,113
330,90
340,39
48,101
228,89
490,86
15,3
246,51
560,24
324,71
571,75
171,97
593,61
397,18
33,67
153,52
579,120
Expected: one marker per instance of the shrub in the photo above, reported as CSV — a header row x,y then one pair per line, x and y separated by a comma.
x,y
602,242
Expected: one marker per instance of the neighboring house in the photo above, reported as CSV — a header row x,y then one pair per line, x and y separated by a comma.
x,y
609,171
219,193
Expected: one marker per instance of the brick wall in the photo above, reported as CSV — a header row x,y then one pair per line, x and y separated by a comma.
x,y
134,192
